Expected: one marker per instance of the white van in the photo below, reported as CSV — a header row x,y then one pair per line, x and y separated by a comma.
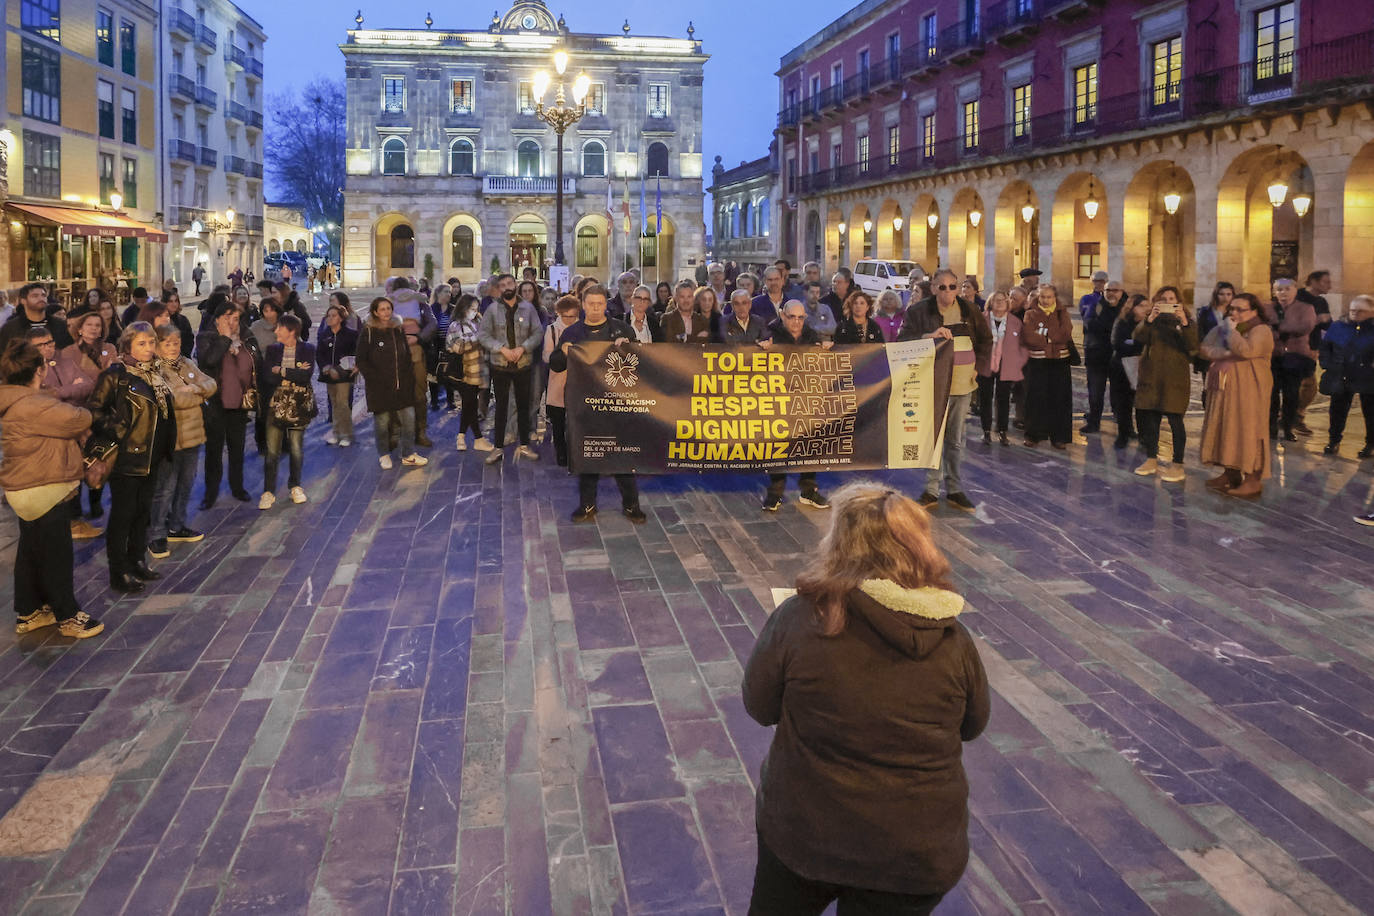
x,y
874,276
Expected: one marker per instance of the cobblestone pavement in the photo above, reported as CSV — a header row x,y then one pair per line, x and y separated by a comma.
x,y
426,691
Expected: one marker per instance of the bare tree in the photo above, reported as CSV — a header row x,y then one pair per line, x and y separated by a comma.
x,y
304,151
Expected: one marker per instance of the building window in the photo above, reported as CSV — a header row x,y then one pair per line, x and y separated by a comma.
x,y
766,218
746,219
42,79
929,36
1089,259
462,97
971,125
1166,81
894,55
393,94
815,94
658,100
107,176
594,159
462,246
460,157
792,176
104,106
128,48
815,161
394,156
42,165
928,137
403,247
894,144
104,37
1085,94
1021,112
734,222
525,97
130,187
588,247
128,116
836,75
863,69
1274,34
658,160
41,17
527,159
861,153
596,99
836,158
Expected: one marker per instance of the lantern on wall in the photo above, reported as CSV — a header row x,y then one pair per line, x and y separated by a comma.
x,y
933,219
868,226
896,224
1027,209
975,217
1090,205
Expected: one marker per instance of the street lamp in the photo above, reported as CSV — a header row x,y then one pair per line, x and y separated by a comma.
x,y
116,200
896,224
560,117
932,219
1090,205
975,217
1028,209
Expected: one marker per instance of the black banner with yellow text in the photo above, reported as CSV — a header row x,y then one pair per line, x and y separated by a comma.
x,y
667,408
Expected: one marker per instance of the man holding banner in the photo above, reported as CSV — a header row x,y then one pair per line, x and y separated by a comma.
x,y
791,328
944,316
594,327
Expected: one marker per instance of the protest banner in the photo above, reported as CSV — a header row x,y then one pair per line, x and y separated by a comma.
x,y
670,408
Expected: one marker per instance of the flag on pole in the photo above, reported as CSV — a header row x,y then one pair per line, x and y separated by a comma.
x,y
658,204
643,213
625,206
610,208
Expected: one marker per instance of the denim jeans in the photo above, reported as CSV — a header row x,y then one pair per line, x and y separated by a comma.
x,y
341,404
403,421
295,443
172,495
956,417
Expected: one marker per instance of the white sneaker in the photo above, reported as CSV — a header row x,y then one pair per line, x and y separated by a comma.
x,y
1172,473
462,443
331,439
385,462
298,495
482,444
415,461
267,501
526,452
345,442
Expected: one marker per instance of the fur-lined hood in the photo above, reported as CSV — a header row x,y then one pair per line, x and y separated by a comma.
x,y
911,620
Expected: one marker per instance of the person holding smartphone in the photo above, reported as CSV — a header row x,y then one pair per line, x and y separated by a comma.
x,y
1168,338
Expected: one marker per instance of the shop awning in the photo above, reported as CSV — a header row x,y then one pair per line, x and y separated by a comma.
x,y
88,222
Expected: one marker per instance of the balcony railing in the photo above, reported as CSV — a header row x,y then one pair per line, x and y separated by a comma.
x,y
184,216
255,119
525,186
207,97
180,21
235,111
1011,19
181,87
236,164
1310,72
235,55
254,169
207,37
208,156
182,149
254,67
252,222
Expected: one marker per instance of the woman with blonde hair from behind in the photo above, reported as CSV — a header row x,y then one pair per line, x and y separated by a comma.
x,y
873,684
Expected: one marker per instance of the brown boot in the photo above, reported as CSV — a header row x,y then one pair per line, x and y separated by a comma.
x,y
1228,478
1249,488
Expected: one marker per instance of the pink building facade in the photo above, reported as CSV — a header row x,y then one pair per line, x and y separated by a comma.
x,y
1146,139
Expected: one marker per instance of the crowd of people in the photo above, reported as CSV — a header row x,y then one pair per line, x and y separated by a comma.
x,y
153,391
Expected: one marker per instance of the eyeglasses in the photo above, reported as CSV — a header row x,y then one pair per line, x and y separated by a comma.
x,y
946,289
45,343
643,296
795,317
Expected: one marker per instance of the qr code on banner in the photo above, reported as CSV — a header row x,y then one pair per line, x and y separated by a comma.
x,y
911,453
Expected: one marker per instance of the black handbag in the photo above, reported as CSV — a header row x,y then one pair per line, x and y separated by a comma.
x,y
293,406
449,370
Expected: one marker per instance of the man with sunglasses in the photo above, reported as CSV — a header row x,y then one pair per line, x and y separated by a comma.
x,y
944,316
791,328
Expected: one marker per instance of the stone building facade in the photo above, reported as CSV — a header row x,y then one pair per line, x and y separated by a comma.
x,y
284,229
450,171
744,201
1167,143
213,121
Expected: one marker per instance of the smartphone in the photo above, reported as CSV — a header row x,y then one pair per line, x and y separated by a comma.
x,y
1167,308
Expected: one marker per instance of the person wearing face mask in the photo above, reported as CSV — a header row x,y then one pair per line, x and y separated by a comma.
x,y
1235,418
509,331
132,407
1099,309
1048,334
569,312
462,339
946,317
191,388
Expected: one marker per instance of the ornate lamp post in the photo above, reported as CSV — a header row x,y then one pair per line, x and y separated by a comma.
x,y
560,117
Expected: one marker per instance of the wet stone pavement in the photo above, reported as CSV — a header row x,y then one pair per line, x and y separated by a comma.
x,y
426,691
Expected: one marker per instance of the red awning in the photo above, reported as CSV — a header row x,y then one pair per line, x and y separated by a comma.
x,y
89,222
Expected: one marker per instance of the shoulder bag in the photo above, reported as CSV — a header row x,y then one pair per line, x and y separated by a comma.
x,y
293,406
99,457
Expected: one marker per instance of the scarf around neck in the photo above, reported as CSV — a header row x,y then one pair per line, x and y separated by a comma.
x,y
162,392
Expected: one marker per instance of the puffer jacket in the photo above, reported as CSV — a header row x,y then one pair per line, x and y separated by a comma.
x,y
38,438
72,376
1347,356
126,412
864,783
191,388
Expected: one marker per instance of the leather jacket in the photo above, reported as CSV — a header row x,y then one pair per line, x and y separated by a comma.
x,y
126,412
